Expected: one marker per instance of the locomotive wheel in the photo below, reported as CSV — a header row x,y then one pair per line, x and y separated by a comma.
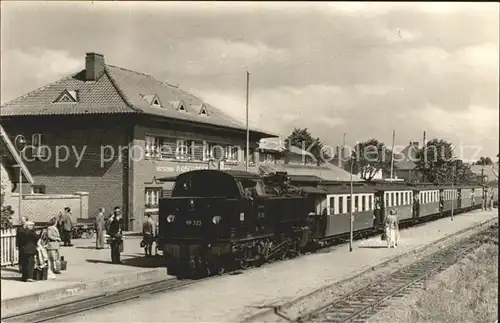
x,y
221,270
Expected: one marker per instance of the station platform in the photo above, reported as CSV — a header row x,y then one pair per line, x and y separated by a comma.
x,y
88,269
234,298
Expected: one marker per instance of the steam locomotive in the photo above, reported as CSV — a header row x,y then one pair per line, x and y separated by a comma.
x,y
222,220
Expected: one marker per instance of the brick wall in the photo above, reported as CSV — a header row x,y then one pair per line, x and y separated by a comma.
x,y
100,176
145,170
41,208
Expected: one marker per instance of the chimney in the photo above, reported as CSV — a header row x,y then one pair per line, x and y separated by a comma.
x,y
339,158
94,66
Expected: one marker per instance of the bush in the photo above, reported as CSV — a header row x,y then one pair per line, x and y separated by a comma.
x,y
6,210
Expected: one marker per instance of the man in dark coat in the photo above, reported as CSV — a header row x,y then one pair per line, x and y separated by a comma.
x,y
28,239
116,234
19,233
67,227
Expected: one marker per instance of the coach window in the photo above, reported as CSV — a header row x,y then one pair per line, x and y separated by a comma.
x,y
349,204
341,204
370,202
332,205
363,203
356,203
393,199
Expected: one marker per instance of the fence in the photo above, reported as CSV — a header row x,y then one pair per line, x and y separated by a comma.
x,y
9,254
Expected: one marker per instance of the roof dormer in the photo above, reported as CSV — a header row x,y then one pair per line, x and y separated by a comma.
x,y
152,100
203,110
179,106
67,97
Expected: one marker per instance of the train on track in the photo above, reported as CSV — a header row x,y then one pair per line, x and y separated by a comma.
x,y
218,221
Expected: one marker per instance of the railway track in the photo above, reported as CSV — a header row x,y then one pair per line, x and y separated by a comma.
x,y
361,304
87,304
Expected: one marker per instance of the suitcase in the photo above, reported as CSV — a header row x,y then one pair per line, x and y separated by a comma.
x,y
41,273
63,264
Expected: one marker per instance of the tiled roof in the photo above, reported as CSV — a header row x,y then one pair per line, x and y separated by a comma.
x,y
94,97
119,90
132,84
491,171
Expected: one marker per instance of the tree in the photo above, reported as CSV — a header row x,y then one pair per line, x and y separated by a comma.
x,y
436,163
6,210
484,161
369,157
303,139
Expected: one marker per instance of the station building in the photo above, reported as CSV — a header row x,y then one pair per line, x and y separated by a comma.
x,y
113,132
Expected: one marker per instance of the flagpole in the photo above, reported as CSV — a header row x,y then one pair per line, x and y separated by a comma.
x,y
248,130
392,152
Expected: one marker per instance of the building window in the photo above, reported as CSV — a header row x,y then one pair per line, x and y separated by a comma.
x,y
195,150
38,189
182,150
232,153
152,197
152,148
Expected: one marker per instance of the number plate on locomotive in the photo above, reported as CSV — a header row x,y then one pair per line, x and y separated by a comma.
x,y
194,223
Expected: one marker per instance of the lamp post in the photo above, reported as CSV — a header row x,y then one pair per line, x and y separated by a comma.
x,y
351,218
452,191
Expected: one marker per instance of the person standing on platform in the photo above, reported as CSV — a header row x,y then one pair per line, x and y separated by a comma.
x,y
116,234
148,234
67,226
52,245
100,228
392,229
19,232
28,240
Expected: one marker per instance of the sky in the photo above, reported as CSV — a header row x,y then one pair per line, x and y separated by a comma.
x,y
363,69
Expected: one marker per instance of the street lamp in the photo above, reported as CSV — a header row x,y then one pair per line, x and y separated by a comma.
x,y
452,191
351,218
